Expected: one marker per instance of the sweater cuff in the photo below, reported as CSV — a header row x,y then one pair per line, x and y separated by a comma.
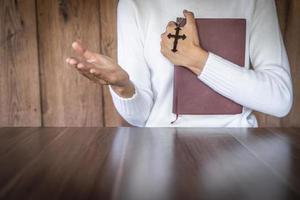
x,y
128,106
114,94
222,75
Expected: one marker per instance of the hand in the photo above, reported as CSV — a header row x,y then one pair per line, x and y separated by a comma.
x,y
101,69
190,54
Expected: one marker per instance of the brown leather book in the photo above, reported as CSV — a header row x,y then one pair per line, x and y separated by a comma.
x,y
225,38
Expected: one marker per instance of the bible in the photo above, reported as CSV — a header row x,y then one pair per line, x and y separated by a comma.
x,y
225,38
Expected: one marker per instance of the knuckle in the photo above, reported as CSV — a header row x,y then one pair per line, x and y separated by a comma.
x,y
97,73
191,14
113,79
162,41
171,24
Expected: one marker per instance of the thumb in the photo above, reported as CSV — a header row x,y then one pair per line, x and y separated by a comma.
x,y
190,18
191,22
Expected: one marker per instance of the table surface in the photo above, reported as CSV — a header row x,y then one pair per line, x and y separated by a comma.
x,y
149,163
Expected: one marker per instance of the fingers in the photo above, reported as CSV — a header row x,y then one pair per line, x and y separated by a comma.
x,y
75,62
172,24
72,61
87,64
100,76
166,47
82,51
80,64
190,18
87,70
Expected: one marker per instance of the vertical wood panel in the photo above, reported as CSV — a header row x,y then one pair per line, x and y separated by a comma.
x,y
282,11
293,48
108,39
68,98
19,80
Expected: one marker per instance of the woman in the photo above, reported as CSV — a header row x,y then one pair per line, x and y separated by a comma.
x,y
141,84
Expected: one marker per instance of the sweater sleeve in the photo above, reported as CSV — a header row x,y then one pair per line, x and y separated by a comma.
x,y
267,88
134,110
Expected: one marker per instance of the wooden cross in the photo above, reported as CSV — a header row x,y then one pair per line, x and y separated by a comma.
x,y
177,37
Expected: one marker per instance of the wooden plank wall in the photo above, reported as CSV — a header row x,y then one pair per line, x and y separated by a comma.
x,y
37,88
68,99
108,43
19,71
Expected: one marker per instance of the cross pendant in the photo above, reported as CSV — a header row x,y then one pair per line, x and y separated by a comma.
x,y
176,38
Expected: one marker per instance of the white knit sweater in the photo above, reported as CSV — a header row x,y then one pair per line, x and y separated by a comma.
x,y
266,88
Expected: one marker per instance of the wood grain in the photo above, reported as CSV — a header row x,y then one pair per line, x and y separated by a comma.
x,y
37,88
149,163
282,12
292,40
19,78
68,98
284,145
293,139
108,43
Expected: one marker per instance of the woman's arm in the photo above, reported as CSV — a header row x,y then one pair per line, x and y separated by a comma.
x,y
268,87
135,109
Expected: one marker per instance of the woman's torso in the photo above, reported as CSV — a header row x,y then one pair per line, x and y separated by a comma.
x,y
153,17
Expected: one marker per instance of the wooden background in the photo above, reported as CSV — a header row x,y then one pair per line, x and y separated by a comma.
x,y
37,88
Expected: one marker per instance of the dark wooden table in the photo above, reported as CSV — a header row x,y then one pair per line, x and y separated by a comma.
x,y
149,163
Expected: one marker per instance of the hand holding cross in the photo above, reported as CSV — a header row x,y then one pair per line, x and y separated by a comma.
x,y
183,48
